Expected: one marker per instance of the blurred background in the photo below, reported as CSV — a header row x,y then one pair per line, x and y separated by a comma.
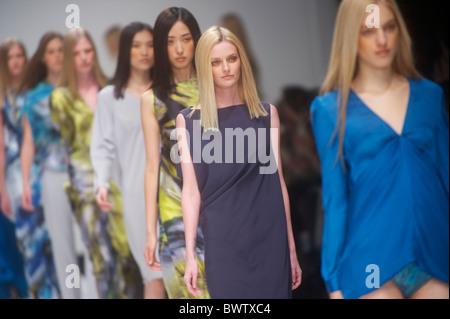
x,y
290,39
289,42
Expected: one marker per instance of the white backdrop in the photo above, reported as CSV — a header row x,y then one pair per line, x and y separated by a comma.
x,y
291,39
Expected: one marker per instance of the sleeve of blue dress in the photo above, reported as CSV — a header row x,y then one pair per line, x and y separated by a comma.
x,y
334,189
442,137
102,149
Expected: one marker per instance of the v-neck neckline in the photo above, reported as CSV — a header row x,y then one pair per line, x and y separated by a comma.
x,y
381,119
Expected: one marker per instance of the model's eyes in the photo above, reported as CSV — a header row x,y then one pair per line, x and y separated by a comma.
x,y
390,27
233,59
215,63
185,39
366,31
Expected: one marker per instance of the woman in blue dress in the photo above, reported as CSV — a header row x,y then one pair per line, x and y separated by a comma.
x,y
43,157
383,139
29,228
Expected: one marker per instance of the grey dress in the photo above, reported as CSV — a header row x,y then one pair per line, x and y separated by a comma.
x,y
117,135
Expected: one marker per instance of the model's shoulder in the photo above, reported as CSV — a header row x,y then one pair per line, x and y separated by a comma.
x,y
185,112
61,94
327,102
107,91
61,90
148,97
425,86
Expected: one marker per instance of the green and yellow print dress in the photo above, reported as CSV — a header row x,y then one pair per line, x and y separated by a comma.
x,y
172,241
103,233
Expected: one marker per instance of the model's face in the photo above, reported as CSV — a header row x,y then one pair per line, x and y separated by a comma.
x,y
16,60
141,54
53,55
226,64
180,46
83,56
378,46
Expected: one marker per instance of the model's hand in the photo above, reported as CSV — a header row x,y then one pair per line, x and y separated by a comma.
x,y
26,201
190,277
6,205
296,272
102,199
149,254
336,295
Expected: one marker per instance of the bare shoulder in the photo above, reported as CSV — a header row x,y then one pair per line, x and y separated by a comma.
x,y
274,118
273,110
147,98
180,121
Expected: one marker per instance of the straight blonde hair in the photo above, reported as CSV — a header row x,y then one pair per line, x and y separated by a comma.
x,y
343,65
5,76
68,74
246,84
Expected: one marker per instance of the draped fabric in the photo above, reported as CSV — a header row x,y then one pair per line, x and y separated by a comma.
x,y
103,233
390,206
172,240
31,229
242,213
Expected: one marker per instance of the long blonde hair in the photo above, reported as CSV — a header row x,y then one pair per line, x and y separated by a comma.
x,y
247,87
5,76
68,75
343,65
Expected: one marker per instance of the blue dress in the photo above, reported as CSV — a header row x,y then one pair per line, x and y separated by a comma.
x,y
11,261
390,206
32,235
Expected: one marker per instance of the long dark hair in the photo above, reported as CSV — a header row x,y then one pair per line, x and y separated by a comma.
x,y
36,70
122,73
163,24
5,76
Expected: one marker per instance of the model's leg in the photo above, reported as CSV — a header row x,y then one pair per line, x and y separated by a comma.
x,y
94,235
32,234
388,291
433,289
128,280
155,289
134,217
60,223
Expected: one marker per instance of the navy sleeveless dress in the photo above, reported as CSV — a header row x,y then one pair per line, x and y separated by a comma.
x,y
242,214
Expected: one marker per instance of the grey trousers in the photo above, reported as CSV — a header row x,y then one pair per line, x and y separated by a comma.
x,y
60,223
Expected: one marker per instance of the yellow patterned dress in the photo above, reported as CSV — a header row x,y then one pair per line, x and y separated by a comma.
x,y
172,240
103,233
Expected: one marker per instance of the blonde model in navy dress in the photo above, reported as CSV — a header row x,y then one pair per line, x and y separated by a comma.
x,y
235,191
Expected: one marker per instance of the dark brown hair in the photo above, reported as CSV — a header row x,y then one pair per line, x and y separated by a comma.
x,y
163,24
5,76
35,70
122,73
